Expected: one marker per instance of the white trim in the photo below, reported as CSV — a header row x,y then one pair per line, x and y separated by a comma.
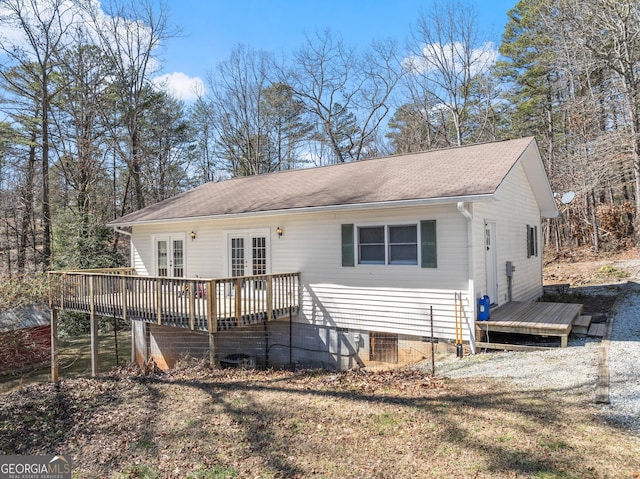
x,y
468,215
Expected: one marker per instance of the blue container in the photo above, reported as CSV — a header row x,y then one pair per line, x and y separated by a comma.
x,y
483,308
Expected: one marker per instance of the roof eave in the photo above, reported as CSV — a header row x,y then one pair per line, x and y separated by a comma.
x,y
314,209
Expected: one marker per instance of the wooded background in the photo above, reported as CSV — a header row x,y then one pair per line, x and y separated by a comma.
x,y
87,136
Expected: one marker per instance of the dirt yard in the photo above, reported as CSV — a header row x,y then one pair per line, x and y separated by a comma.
x,y
199,423
593,281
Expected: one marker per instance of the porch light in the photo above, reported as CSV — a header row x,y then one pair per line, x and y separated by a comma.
x,y
279,231
193,235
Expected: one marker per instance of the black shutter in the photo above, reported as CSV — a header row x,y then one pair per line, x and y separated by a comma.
x,y
428,244
348,257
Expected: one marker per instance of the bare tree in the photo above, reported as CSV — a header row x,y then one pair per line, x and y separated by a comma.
x,y
446,59
609,30
42,31
347,94
202,148
236,101
130,33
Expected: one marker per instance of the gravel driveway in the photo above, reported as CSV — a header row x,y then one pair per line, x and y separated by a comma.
x,y
573,371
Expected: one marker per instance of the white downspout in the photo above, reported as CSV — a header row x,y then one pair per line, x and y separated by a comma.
x,y
471,292
122,232
130,235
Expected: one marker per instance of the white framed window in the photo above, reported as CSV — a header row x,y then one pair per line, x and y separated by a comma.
x,y
403,244
388,244
532,241
371,242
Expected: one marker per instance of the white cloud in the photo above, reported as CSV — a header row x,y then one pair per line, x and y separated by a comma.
x,y
181,86
35,12
454,56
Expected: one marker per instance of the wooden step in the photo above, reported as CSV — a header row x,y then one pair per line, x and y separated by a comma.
x,y
511,347
597,330
580,326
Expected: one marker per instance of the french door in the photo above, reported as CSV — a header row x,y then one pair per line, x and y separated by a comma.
x,y
247,254
170,256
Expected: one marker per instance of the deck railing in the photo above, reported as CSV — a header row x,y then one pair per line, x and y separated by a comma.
x,y
196,303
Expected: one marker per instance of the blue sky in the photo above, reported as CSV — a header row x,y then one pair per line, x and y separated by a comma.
x,y
212,28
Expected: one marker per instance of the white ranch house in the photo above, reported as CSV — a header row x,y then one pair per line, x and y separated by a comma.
x,y
376,242
375,245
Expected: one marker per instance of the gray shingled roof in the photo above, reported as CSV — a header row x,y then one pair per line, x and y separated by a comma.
x,y
450,173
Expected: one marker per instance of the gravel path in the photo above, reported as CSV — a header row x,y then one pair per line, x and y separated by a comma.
x,y
624,361
573,371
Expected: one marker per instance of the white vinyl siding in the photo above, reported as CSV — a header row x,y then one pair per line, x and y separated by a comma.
x,y
515,209
371,297
394,298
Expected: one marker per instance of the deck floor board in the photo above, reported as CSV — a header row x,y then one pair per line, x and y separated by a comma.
x,y
537,318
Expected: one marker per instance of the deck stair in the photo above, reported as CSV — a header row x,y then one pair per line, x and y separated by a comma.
x,y
585,326
580,326
597,330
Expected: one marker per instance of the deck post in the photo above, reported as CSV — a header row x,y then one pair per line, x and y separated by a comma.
x,y
238,300
94,329
159,300
213,350
54,344
123,292
212,309
270,298
192,305
64,285
212,322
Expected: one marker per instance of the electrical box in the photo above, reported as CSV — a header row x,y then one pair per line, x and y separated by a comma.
x,y
510,269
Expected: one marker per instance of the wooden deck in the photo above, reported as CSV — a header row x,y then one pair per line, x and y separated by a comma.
x,y
199,304
537,319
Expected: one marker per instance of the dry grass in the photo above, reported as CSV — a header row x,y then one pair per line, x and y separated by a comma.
x,y
195,422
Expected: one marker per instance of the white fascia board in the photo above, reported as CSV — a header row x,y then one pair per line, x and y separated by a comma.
x,y
316,209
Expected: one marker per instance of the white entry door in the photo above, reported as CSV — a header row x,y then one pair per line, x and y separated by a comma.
x,y
247,254
491,261
170,256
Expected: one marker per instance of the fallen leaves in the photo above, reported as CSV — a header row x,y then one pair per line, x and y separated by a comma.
x,y
199,422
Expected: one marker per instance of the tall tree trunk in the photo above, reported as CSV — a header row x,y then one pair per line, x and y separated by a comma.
x,y
594,221
27,210
46,207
